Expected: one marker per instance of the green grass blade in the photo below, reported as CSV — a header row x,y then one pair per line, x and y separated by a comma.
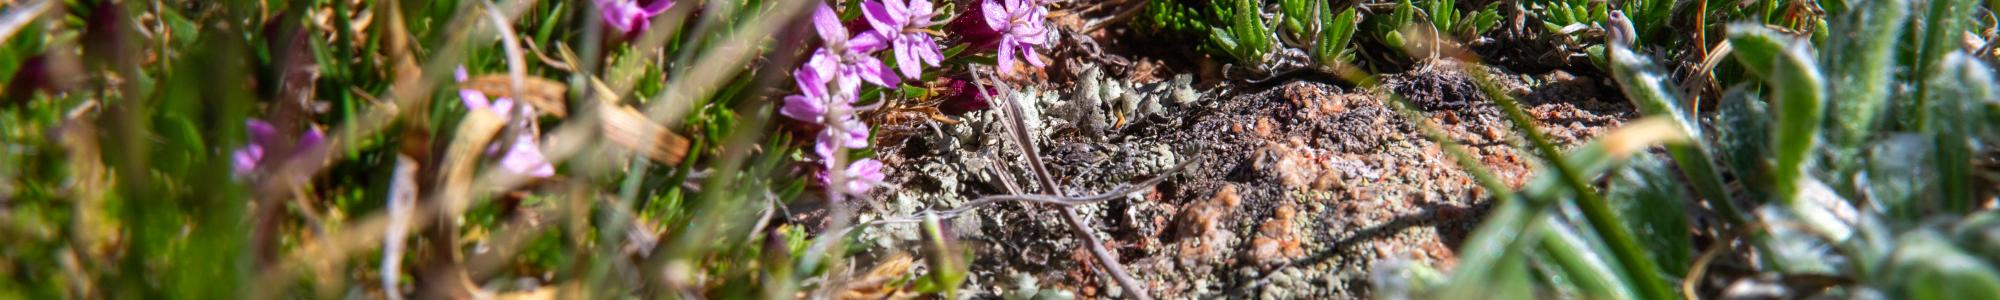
x,y
1571,255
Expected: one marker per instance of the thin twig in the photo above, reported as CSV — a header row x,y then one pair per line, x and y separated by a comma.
x,y
1063,201
1019,135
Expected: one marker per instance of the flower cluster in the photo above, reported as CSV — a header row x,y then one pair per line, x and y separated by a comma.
x,y
523,155
1022,25
831,80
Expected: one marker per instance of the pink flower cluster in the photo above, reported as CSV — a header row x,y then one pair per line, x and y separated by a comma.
x,y
524,155
831,80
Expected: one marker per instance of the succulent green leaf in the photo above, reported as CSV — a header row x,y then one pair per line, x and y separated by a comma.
x,y
1798,96
1961,86
1650,200
1863,62
1926,266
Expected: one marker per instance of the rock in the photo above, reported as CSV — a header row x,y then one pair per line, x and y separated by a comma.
x,y
1277,239
1292,165
1198,227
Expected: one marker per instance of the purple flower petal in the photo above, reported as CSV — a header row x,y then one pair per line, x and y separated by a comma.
x,y
1006,59
312,138
261,133
995,14
246,159
828,24
504,107
904,61
862,176
525,158
879,16
473,99
655,7
867,42
803,108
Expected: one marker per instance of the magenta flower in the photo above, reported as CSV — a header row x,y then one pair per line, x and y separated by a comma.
x,y
907,26
862,176
850,59
859,177
1022,24
849,133
524,155
812,102
264,139
631,16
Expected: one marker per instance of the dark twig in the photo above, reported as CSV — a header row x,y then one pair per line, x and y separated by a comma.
x,y
1061,201
1018,132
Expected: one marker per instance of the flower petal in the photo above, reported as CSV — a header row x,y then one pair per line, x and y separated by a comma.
x,y
503,107
866,43
245,159
828,25
879,17
995,15
907,61
312,138
473,99
1028,53
803,108
873,71
1006,58
525,158
655,7
261,133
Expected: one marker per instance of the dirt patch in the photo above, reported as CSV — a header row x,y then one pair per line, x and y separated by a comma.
x,y
1301,187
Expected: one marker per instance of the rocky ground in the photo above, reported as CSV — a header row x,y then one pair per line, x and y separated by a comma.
x,y
1301,186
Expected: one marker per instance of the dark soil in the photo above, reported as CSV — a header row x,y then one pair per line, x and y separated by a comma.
x,y
1302,187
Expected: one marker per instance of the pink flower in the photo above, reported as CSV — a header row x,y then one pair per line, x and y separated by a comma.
x,y
524,155
1022,24
850,58
859,177
631,16
907,26
265,138
849,133
812,102
831,79
862,176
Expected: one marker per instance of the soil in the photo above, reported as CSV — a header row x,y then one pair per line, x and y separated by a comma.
x,y
1301,188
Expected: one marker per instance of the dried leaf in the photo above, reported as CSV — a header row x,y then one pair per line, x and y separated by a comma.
x,y
626,127
546,95
882,281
